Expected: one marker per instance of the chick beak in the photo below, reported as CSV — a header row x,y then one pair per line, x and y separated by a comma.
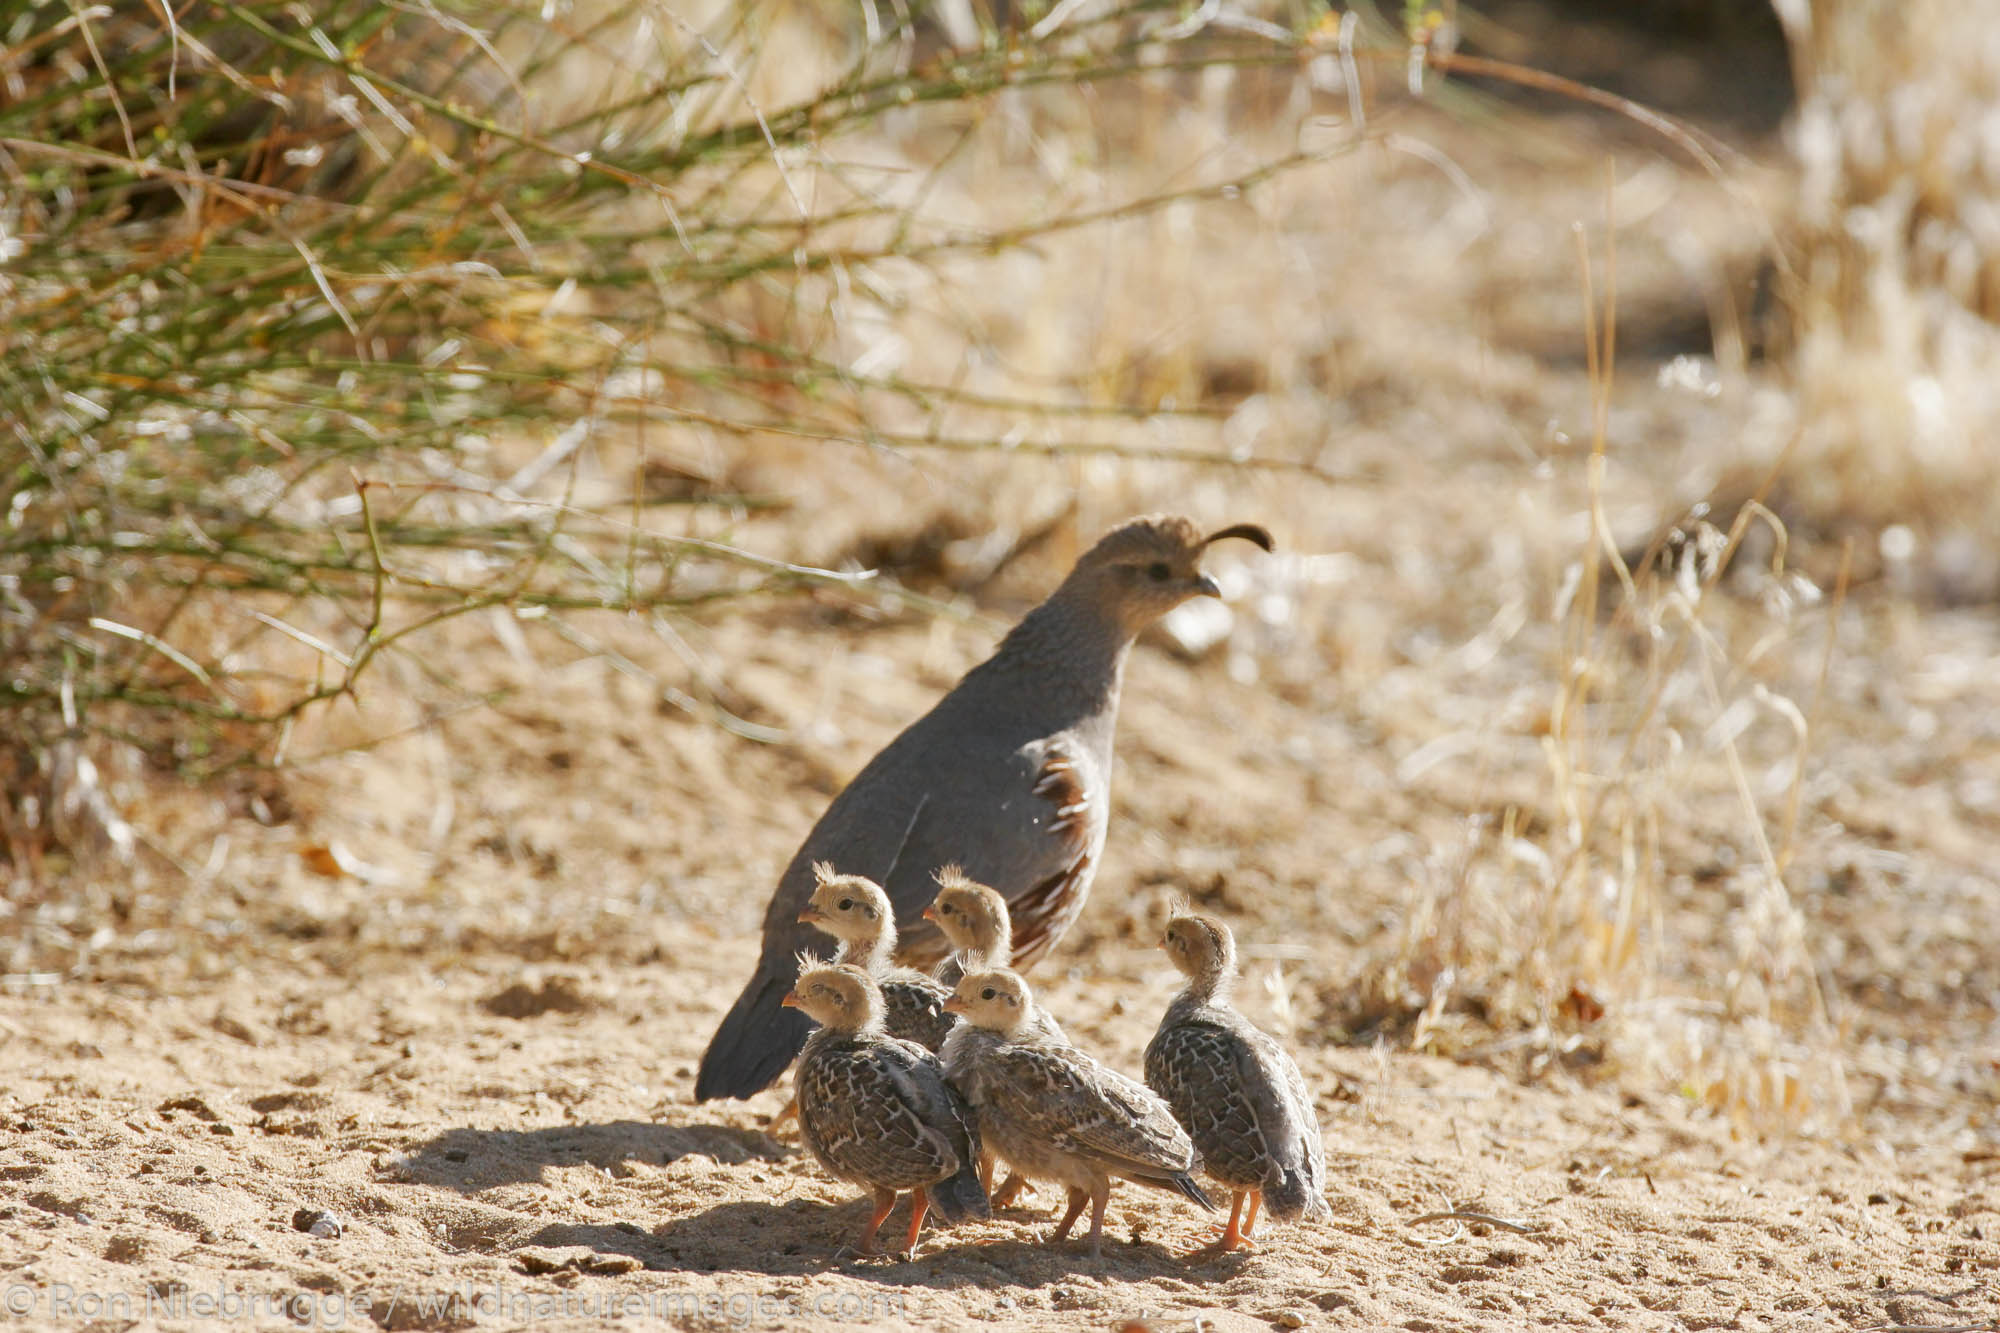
x,y
954,1005
791,1000
810,914
930,913
1204,586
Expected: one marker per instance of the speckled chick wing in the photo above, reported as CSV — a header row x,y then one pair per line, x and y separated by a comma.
x,y
1243,1101
913,1008
877,1111
1057,1114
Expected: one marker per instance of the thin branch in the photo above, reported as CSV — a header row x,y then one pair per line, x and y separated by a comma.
x,y
1462,1215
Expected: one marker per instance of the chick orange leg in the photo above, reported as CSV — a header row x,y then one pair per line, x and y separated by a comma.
x,y
778,1121
1232,1238
1100,1195
986,1176
884,1201
1012,1188
1077,1199
1250,1222
920,1203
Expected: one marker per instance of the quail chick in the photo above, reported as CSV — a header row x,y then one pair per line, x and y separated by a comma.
x,y
976,924
876,1110
1236,1091
1054,1112
1008,775
854,910
975,921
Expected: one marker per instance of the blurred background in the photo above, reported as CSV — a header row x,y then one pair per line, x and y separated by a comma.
x,y
476,480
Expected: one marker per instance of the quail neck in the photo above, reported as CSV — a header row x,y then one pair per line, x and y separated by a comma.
x,y
871,952
1070,652
1206,956
1209,986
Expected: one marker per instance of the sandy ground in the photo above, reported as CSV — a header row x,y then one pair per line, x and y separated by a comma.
x,y
480,1064
533,1169
451,989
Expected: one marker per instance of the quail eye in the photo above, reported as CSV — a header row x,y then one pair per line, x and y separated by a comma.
x,y
1158,571
847,904
986,994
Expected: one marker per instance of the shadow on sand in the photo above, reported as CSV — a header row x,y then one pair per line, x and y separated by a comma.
x,y
773,1237
470,1160
806,1236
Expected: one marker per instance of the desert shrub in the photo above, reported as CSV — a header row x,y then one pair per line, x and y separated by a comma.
x,y
308,315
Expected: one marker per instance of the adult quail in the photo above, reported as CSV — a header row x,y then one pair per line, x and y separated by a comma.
x,y
1054,1112
876,1110
1236,1091
1008,775
854,910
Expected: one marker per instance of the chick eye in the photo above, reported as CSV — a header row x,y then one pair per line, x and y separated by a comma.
x,y
847,904
1158,571
986,994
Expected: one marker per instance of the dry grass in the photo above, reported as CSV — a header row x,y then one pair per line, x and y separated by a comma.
x,y
1556,934
1895,285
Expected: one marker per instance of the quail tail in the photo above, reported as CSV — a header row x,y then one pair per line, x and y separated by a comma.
x,y
756,1041
960,1197
1181,1183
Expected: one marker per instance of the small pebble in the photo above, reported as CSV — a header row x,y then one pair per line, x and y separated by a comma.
x,y
539,1260
1289,1319
612,1263
318,1222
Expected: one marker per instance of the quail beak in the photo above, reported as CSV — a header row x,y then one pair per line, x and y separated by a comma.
x,y
1204,586
791,1001
954,1005
930,913
810,914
